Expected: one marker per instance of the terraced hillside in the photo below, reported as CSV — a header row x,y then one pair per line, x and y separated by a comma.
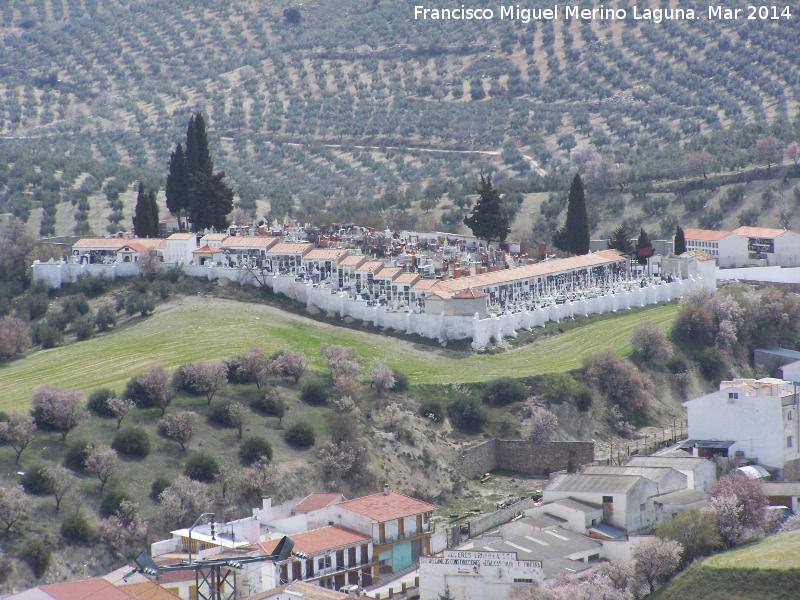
x,y
332,109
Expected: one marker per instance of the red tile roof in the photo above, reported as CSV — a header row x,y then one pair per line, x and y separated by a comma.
x,y
385,507
327,254
291,248
317,500
705,235
371,267
148,590
411,278
207,250
181,236
248,241
320,540
759,232
78,590
469,294
354,260
389,272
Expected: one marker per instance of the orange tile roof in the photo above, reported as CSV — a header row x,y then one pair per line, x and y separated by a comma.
x,y
327,254
759,232
469,294
135,246
390,272
320,540
152,242
78,590
411,278
317,500
441,294
107,243
249,241
148,590
207,250
705,235
291,248
181,236
372,266
384,507
354,260
214,237
700,255
424,284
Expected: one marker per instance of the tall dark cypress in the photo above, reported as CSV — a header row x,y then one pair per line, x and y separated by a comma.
x,y
204,162
192,155
577,220
154,213
177,184
643,243
486,221
680,241
143,217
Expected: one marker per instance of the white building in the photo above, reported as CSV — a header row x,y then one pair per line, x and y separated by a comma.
x,y
770,247
727,247
700,472
479,573
757,419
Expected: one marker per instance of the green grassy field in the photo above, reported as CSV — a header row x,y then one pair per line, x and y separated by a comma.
x,y
191,328
765,570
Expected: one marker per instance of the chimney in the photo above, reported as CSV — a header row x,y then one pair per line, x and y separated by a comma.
x,y
457,271
542,250
386,490
494,268
444,276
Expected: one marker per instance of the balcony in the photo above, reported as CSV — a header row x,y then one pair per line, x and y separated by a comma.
x,y
403,536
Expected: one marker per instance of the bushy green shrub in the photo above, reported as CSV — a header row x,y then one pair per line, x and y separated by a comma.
x,y
583,397
314,392
202,467
105,318
466,413
37,554
432,409
75,456
677,364
400,381
218,413
133,441
112,501
504,391
712,364
301,435
159,485
46,335
34,481
255,448
76,528
97,402
83,328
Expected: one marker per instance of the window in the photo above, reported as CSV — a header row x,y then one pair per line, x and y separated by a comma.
x,y
733,395
789,441
608,500
789,416
522,580
641,508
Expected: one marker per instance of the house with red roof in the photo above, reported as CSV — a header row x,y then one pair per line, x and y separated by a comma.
x,y
76,590
770,247
728,248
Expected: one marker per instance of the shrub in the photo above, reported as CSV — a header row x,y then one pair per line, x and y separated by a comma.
x,y
83,328
133,441
503,391
37,555
254,449
583,397
301,435
105,319
75,456
712,363
219,414
98,402
112,502
158,486
619,380
467,413
76,528
46,336
650,342
694,326
432,409
314,392
677,364
202,467
400,381
35,481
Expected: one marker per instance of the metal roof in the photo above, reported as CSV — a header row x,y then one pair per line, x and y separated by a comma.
x,y
598,484
581,505
654,474
713,444
555,542
681,497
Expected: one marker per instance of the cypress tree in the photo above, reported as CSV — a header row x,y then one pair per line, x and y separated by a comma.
x,y
154,213
192,155
577,219
486,221
680,241
143,217
211,201
204,162
177,184
642,244
620,240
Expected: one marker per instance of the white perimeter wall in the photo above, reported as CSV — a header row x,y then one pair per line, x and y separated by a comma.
x,y
439,327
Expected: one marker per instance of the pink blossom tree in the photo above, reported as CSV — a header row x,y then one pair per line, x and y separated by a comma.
x,y
156,385
120,408
656,560
792,152
695,164
58,482
205,378
102,461
124,532
239,415
17,432
381,376
14,337
290,364
179,427
13,505
60,410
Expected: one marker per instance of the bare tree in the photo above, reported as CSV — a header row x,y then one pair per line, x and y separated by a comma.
x,y
279,407
344,360
257,481
542,425
13,505
792,152
181,502
156,384
149,264
179,427
205,378
239,415
381,376
695,164
120,408
61,410
14,337
656,559
347,386
124,532
59,482
254,366
17,432
102,461
767,151
290,364
650,341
